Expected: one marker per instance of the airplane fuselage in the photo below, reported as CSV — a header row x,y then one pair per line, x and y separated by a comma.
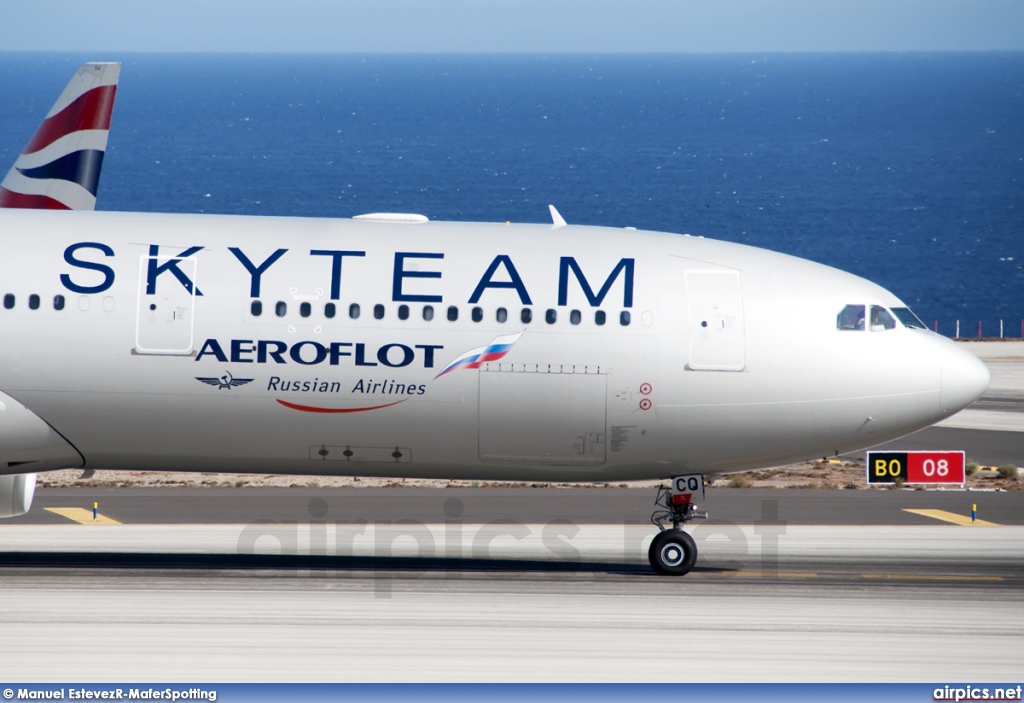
x,y
438,349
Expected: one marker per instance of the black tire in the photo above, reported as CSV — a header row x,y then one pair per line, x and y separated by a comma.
x,y
672,553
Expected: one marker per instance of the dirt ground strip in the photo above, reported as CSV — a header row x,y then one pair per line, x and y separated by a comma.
x,y
810,475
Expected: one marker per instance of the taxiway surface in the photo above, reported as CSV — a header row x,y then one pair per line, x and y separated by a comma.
x,y
198,506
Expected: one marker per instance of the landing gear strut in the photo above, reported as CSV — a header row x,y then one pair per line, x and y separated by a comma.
x,y
672,551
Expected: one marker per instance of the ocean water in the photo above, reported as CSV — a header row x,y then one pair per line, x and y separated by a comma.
x,y
907,169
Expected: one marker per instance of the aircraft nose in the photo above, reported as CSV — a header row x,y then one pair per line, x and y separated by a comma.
x,y
964,378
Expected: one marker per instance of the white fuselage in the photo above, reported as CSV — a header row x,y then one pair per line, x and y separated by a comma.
x,y
731,357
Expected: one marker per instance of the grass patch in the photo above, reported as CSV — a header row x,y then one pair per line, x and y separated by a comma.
x,y
1008,471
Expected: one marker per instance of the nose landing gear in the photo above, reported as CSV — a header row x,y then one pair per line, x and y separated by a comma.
x,y
672,551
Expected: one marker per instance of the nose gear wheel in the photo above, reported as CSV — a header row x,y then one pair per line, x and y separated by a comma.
x,y
672,551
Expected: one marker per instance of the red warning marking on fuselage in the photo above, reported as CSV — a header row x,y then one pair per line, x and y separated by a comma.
x,y
646,388
645,404
314,409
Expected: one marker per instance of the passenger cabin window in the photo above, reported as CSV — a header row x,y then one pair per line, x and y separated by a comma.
x,y
8,301
881,320
281,309
353,311
550,316
908,318
599,317
378,311
403,312
850,318
428,312
526,316
501,315
305,309
58,302
625,318
575,317
33,302
330,310
453,314
478,314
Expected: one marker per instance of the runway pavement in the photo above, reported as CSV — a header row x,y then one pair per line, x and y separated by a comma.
x,y
318,586
767,603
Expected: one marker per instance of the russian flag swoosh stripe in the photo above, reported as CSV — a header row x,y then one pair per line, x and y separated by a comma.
x,y
474,358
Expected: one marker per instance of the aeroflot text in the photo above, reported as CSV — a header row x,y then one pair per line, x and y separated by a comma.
x,y
117,694
309,353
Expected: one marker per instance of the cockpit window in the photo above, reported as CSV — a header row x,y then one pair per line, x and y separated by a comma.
x,y
908,318
881,319
851,318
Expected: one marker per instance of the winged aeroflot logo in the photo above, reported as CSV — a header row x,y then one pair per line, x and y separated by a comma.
x,y
473,359
226,381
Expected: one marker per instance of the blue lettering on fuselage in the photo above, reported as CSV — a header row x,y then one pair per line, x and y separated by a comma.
x,y
309,353
336,257
409,283
154,269
400,274
108,273
568,263
256,272
515,280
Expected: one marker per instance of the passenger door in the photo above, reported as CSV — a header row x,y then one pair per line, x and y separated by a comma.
x,y
715,312
165,320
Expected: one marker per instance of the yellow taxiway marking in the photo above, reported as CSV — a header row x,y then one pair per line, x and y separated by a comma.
x,y
779,574
951,517
929,577
83,516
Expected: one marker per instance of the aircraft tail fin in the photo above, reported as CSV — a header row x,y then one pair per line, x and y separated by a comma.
x,y
60,167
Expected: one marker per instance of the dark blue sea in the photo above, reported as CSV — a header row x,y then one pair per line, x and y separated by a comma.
x,y
907,169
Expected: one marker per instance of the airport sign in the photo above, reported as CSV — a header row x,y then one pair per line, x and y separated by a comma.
x,y
915,467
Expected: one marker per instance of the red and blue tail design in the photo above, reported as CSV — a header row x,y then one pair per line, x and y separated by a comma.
x,y
60,167
472,359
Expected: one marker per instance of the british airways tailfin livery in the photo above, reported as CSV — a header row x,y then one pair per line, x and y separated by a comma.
x,y
59,169
390,345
